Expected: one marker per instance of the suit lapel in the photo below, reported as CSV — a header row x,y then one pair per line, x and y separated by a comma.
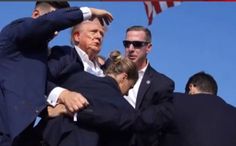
x,y
144,86
77,58
75,55
73,65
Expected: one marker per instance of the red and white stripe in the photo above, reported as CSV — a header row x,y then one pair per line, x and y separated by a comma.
x,y
155,6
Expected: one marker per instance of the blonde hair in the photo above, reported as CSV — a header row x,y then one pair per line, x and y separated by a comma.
x,y
115,56
122,65
78,27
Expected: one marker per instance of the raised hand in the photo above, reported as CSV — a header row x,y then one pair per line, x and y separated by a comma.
x,y
103,15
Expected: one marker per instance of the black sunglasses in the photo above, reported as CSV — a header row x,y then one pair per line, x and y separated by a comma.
x,y
136,44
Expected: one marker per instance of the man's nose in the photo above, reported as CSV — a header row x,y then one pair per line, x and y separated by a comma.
x,y
99,36
130,47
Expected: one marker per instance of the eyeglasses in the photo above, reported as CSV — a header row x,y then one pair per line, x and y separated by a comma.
x,y
136,44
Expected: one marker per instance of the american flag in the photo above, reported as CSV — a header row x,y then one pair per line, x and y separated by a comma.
x,y
154,7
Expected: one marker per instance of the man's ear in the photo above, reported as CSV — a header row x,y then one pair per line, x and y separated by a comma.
x,y
149,48
76,36
35,13
191,88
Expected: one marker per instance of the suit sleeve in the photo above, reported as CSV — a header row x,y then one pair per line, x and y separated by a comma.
x,y
110,118
152,118
42,29
57,62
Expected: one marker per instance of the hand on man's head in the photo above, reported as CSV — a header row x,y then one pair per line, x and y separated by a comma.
x,y
103,15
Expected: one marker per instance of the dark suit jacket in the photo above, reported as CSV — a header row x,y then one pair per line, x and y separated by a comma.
x,y
155,89
100,92
63,62
108,120
23,59
201,120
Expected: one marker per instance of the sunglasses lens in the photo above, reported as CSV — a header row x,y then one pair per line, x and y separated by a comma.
x,y
136,44
126,44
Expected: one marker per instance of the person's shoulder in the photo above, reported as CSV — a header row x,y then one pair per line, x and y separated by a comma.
x,y
160,76
61,50
14,23
180,98
179,94
20,20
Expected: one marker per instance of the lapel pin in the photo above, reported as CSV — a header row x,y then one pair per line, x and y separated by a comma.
x,y
148,82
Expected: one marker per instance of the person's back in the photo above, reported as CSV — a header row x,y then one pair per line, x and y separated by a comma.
x,y
23,57
101,92
23,64
202,118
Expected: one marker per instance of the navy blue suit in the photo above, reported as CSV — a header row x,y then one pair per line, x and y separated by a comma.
x,y
63,62
201,120
155,89
100,92
109,120
23,66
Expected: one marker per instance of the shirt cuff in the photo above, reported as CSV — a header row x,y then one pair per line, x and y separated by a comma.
x,y
75,117
54,95
87,14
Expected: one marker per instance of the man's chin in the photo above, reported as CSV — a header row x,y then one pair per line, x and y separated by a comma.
x,y
95,49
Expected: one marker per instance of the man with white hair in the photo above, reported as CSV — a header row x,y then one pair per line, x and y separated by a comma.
x,y
23,64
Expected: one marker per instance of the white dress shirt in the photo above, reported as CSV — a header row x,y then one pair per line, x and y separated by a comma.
x,y
133,93
89,66
54,94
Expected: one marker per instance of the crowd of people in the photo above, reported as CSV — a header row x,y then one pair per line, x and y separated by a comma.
x,y
83,99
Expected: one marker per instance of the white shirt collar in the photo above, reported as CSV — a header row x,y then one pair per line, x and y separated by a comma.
x,y
81,54
142,71
132,95
89,66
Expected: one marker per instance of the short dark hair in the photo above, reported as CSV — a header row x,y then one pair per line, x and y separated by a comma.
x,y
141,28
59,4
204,82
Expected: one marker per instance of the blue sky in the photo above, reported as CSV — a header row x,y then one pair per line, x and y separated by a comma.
x,y
192,37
